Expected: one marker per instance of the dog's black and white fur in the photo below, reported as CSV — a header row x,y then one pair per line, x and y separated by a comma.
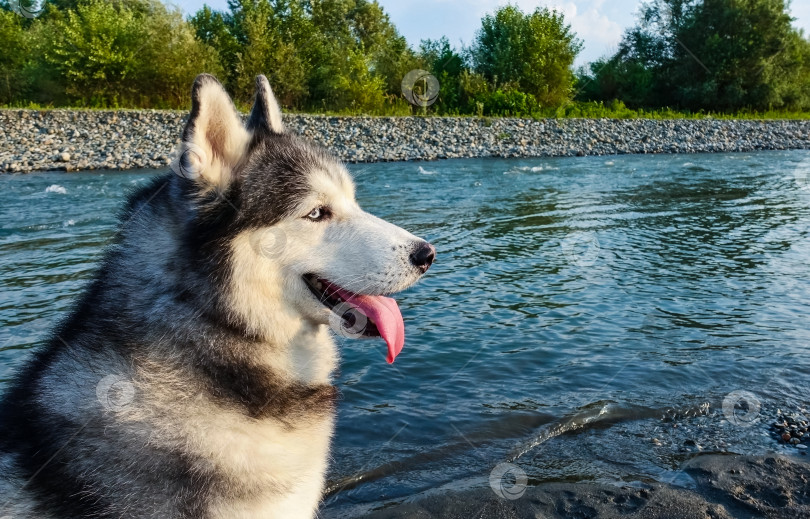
x,y
193,377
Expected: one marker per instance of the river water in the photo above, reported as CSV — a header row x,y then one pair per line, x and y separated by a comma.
x,y
586,319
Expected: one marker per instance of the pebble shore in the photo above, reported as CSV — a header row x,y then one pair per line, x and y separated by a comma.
x,y
73,140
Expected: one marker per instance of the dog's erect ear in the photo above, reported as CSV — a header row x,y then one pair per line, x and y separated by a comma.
x,y
266,113
214,139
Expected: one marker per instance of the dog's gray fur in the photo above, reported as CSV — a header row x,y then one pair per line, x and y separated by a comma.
x,y
193,379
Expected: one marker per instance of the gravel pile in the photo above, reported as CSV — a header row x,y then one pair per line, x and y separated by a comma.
x,y
67,140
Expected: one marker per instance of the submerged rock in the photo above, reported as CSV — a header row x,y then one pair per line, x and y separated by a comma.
x,y
725,486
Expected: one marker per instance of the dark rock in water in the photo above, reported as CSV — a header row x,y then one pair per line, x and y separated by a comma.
x,y
726,486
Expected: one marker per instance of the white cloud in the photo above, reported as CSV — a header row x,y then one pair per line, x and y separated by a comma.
x,y
600,33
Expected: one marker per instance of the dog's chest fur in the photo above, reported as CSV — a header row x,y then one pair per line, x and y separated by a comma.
x,y
267,458
270,469
268,465
187,441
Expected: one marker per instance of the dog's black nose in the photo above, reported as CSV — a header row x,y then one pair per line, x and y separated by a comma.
x,y
423,256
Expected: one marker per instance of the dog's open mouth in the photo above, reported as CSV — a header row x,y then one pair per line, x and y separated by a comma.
x,y
361,315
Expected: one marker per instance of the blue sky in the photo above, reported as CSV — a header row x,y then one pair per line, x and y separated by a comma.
x,y
599,23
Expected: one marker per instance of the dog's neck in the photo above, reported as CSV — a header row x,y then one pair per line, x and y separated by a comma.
x,y
309,357
297,347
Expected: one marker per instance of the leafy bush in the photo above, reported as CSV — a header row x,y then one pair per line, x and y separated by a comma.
x,y
266,52
135,53
509,103
16,46
358,89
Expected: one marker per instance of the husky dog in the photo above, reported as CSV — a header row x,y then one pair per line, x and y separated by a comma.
x,y
193,378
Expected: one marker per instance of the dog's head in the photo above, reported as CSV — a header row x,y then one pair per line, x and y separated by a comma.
x,y
301,250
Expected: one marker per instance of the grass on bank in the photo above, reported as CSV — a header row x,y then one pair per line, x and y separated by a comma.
x,y
573,110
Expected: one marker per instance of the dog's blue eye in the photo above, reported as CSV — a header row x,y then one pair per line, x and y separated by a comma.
x,y
316,214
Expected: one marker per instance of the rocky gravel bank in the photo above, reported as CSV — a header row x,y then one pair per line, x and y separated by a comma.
x,y
68,140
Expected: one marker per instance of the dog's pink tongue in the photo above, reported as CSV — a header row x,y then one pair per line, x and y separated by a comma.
x,y
385,313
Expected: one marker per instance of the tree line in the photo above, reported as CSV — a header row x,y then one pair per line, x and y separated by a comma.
x,y
709,55
346,56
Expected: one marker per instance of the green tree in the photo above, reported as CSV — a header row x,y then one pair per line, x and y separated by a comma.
x,y
447,64
311,50
617,78
266,51
531,52
95,50
731,54
473,92
345,30
357,88
172,58
16,53
135,53
215,29
327,50
716,55
391,56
